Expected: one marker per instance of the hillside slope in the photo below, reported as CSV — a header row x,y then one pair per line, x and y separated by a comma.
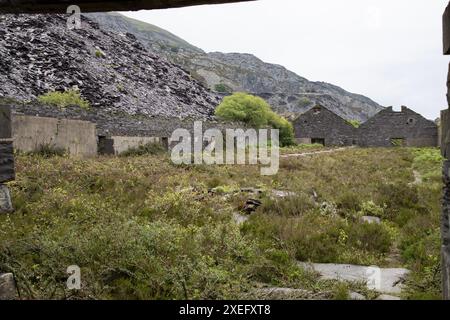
x,y
286,91
114,72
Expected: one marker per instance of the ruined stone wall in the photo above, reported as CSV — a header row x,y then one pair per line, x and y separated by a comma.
x,y
122,144
445,148
6,147
77,137
388,124
321,123
113,124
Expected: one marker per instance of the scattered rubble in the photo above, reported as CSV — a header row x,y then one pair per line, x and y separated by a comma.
x,y
114,72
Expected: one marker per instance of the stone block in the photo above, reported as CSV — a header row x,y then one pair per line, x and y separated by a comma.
x,y
5,200
5,122
8,289
7,172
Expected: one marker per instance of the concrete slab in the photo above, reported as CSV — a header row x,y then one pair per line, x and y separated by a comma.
x,y
383,280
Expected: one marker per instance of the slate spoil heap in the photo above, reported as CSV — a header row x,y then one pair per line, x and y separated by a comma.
x,y
114,72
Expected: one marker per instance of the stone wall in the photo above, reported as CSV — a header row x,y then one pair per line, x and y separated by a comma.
x,y
122,144
77,137
388,125
111,124
445,148
321,123
6,147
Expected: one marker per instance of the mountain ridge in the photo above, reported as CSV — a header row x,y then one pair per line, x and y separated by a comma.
x,y
289,93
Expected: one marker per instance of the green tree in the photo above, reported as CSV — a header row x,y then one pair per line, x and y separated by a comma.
x,y
255,112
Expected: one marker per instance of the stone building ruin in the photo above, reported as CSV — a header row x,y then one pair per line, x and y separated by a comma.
x,y
322,126
387,128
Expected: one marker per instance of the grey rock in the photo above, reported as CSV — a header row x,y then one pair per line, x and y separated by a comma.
x,y
8,290
390,279
283,194
239,218
387,297
357,296
5,200
369,219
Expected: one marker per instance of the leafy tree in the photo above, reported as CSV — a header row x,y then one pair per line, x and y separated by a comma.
x,y
255,112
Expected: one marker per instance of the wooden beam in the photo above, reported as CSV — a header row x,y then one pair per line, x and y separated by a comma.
x,y
60,6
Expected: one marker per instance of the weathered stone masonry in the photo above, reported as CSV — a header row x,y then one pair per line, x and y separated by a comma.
x,y
445,147
7,172
384,129
407,126
320,125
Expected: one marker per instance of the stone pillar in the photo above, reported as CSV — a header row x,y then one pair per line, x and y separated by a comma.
x,y
7,172
445,148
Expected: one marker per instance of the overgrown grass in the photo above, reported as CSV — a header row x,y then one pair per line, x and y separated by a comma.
x,y
65,99
140,227
146,149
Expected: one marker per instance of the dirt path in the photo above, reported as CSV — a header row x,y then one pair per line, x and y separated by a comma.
x,y
313,152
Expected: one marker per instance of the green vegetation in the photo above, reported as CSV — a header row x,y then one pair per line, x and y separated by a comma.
x,y
303,102
70,97
49,150
223,88
99,54
255,112
355,123
142,228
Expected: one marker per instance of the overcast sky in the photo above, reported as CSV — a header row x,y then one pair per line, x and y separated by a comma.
x,y
388,50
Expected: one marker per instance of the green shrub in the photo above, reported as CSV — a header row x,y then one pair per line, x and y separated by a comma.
x,y
49,150
70,97
146,149
255,112
303,102
369,208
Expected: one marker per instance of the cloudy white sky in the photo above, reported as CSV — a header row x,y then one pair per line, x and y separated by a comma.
x,y
389,50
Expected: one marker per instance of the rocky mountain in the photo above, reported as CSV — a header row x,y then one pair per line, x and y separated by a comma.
x,y
114,72
287,92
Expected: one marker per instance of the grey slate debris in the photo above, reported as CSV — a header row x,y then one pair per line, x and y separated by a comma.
x,y
39,54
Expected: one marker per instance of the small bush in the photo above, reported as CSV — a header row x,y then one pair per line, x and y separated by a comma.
x,y
146,149
369,208
49,150
62,100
